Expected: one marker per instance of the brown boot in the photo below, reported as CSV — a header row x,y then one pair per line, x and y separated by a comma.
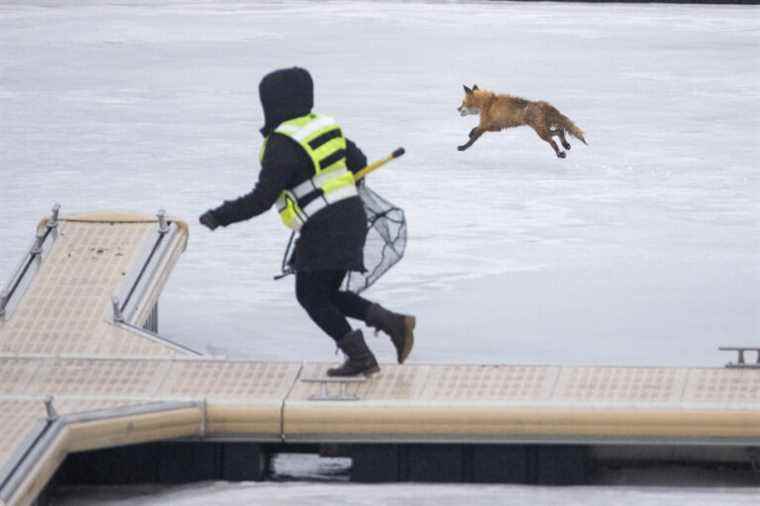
x,y
359,358
399,327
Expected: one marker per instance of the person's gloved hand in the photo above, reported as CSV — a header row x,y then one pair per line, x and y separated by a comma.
x,y
207,220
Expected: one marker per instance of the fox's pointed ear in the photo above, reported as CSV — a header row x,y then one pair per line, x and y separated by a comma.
x,y
466,89
475,87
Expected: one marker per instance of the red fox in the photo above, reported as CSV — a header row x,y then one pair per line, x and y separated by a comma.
x,y
498,112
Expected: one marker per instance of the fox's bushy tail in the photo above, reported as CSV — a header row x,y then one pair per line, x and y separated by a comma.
x,y
568,125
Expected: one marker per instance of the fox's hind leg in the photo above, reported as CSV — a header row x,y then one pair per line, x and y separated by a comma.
x,y
560,132
546,135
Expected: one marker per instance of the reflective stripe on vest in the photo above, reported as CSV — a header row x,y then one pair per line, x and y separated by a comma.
x,y
323,141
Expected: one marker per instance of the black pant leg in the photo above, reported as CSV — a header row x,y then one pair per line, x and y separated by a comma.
x,y
351,304
315,291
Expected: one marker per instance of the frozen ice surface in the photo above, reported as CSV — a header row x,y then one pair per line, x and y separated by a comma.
x,y
641,248
414,494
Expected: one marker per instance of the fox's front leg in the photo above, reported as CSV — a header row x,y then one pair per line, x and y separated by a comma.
x,y
475,133
546,135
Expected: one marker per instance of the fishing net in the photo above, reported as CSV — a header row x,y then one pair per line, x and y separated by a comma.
x,y
384,247
386,240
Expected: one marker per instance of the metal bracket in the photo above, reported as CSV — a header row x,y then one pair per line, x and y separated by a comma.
x,y
342,395
741,363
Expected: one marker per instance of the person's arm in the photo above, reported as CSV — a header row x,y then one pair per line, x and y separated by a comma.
x,y
277,169
355,159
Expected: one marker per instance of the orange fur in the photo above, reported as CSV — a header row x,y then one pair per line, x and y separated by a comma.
x,y
499,112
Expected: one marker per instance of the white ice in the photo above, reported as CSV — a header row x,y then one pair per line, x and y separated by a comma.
x,y
639,249
411,494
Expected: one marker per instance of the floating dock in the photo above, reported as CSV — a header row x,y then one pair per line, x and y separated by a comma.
x,y
85,378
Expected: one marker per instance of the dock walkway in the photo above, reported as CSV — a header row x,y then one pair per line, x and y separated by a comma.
x,y
82,368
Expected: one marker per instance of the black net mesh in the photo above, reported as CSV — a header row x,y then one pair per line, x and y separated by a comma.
x,y
386,240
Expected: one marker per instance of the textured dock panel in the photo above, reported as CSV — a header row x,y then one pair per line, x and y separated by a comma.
x,y
628,386
228,380
67,306
420,403
17,419
17,375
489,383
441,383
461,403
242,398
96,377
726,388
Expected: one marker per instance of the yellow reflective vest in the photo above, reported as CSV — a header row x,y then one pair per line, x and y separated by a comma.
x,y
322,139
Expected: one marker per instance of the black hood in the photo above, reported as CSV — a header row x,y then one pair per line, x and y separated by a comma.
x,y
285,94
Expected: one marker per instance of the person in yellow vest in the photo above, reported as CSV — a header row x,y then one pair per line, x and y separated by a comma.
x,y
307,167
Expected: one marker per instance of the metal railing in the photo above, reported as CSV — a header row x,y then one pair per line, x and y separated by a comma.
x,y
741,362
19,279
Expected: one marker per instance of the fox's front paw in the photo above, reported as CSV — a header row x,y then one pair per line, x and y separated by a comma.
x,y
461,148
562,154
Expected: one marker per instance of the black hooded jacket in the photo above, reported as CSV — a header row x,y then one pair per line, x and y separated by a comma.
x,y
332,239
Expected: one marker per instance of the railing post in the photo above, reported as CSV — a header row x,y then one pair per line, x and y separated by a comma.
x,y
53,221
4,297
163,226
52,415
37,246
118,317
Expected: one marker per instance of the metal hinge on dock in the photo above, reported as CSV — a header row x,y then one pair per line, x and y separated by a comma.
x,y
327,389
741,363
